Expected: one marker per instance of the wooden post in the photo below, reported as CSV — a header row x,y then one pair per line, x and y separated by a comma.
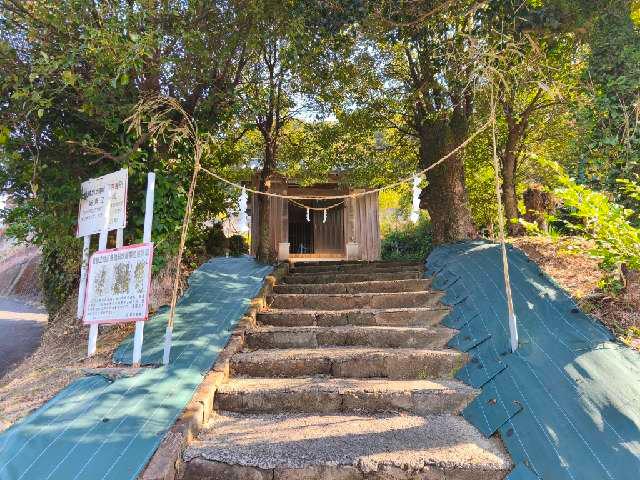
x,y
183,237
146,238
119,237
83,275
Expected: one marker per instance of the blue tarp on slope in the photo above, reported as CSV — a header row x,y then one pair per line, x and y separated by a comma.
x,y
567,403
96,429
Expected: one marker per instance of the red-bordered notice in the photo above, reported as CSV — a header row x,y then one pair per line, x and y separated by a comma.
x,y
119,284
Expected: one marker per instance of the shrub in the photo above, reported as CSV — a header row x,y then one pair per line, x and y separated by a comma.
x,y
215,241
238,245
608,224
412,242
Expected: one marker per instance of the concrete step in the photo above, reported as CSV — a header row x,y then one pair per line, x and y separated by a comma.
x,y
340,395
343,447
398,317
349,362
385,286
327,277
313,337
350,301
362,267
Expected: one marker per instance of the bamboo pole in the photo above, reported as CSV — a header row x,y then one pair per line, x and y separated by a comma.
x,y
183,237
513,324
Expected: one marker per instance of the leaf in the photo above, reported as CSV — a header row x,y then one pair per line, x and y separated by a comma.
x,y
124,79
40,112
134,36
4,135
68,77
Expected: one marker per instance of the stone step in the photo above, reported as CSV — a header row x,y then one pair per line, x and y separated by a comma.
x,y
343,447
327,277
398,317
385,286
350,301
340,395
349,362
313,337
319,262
362,267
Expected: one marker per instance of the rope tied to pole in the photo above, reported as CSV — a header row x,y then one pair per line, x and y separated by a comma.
x,y
343,197
190,131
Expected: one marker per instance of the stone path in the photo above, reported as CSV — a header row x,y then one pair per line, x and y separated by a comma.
x,y
346,376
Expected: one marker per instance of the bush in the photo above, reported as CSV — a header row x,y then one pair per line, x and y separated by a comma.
x,y
412,242
238,245
608,224
215,241
59,268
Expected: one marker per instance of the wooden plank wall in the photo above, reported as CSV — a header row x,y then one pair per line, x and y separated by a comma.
x,y
357,222
279,226
362,225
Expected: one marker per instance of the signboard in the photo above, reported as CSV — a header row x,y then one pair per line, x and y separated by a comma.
x,y
118,285
98,194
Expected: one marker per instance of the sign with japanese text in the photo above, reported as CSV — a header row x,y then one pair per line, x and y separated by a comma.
x,y
118,285
98,194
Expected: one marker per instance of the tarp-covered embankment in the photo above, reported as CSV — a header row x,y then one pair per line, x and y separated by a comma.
x,y
567,402
97,429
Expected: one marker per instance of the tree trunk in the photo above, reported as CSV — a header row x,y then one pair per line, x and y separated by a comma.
x,y
509,197
538,204
445,196
265,252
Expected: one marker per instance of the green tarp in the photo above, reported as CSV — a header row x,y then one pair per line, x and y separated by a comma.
x,y
567,402
97,429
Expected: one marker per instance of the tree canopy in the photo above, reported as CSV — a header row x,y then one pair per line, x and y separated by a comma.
x,y
375,90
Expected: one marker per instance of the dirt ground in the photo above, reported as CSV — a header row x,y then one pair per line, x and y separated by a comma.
x,y
578,273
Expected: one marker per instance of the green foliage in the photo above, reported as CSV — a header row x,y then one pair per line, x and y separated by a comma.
x,y
355,144
215,241
608,113
394,206
412,242
617,241
371,90
70,75
238,245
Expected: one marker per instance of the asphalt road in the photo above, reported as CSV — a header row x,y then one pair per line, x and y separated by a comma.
x,y
21,327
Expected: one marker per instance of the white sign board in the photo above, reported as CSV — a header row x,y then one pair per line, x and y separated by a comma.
x,y
119,285
95,199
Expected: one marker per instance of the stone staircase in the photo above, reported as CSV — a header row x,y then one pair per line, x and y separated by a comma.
x,y
347,376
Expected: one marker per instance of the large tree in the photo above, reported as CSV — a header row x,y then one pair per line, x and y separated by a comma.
x,y
285,79
267,99
429,82
70,75
532,73
609,113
